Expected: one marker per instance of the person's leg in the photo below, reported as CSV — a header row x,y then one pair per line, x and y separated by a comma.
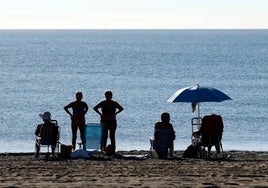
x,y
82,134
171,149
37,149
217,147
112,135
53,150
209,149
162,154
104,137
74,134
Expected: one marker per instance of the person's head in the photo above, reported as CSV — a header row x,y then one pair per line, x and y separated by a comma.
x,y
46,116
165,117
79,96
108,95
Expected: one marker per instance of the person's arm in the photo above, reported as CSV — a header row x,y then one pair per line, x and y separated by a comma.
x,y
66,108
96,108
157,126
85,109
37,130
119,107
173,132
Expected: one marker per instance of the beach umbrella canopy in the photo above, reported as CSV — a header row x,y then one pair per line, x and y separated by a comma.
x,y
196,94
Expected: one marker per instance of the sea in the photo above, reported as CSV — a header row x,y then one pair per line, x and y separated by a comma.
x,y
41,70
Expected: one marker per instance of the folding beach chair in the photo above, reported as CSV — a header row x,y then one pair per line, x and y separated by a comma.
x,y
195,148
93,136
211,132
49,137
196,124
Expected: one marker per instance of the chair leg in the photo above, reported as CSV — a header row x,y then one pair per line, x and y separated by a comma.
x,y
37,150
209,151
47,154
201,151
151,146
221,147
58,147
171,152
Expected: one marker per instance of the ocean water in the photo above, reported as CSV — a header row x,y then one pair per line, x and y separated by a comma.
x,y
41,70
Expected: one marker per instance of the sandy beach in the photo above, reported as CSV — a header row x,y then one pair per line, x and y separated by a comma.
x,y
237,169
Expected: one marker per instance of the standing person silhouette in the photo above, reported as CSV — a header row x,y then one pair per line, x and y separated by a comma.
x,y
109,110
79,108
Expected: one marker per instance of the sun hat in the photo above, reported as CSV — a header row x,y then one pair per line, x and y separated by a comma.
x,y
45,116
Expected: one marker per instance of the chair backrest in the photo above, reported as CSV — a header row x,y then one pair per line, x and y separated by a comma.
x,y
163,139
211,128
212,124
93,136
196,124
49,133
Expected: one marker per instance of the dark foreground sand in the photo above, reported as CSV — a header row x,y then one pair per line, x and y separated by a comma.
x,y
239,169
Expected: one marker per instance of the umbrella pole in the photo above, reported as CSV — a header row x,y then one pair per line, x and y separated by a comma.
x,y
198,112
199,118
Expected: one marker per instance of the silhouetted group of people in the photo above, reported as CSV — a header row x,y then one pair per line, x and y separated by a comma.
x,y
107,109
164,134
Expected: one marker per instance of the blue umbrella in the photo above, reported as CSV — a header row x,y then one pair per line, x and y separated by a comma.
x,y
196,94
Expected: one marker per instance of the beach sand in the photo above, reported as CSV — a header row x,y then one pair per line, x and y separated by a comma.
x,y
238,169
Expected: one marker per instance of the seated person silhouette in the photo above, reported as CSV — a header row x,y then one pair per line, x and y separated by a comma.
x,y
164,135
47,133
211,130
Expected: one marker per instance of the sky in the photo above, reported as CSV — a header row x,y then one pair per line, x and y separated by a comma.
x,y
133,14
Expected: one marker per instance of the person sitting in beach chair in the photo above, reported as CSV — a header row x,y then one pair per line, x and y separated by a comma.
x,y
164,135
211,132
47,134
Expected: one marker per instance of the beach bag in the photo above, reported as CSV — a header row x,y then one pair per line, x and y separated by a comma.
x,y
110,150
65,151
191,152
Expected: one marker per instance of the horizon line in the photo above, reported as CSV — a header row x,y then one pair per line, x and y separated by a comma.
x,y
133,29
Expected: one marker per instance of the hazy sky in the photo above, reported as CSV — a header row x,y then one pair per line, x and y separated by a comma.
x,y
133,14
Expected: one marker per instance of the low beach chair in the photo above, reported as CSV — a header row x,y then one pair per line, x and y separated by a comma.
x,y
49,137
211,131
93,137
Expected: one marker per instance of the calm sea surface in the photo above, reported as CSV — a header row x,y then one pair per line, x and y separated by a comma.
x,y
43,69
